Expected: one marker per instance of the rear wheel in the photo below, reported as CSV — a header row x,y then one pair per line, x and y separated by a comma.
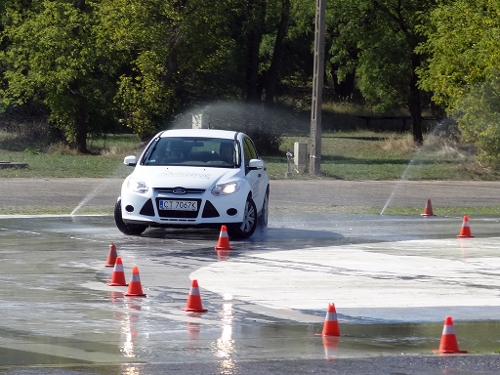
x,y
246,228
128,229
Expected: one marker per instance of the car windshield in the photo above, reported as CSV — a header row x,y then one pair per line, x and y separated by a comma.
x,y
195,152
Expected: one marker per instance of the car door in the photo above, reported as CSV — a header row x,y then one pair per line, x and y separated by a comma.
x,y
256,178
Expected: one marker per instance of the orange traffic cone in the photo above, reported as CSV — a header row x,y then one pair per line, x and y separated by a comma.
x,y
449,342
118,276
223,243
428,209
111,256
465,231
135,288
331,325
194,300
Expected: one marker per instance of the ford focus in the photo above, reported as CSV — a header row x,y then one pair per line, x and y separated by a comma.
x,y
195,177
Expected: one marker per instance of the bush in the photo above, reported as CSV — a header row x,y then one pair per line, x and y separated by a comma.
x,y
24,128
265,126
267,141
478,116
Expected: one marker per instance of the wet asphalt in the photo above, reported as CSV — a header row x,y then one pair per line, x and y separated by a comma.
x,y
61,317
287,196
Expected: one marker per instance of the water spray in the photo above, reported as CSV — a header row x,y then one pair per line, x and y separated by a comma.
x,y
404,176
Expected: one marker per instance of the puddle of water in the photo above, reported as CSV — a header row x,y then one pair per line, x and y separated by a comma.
x,y
10,357
149,332
474,337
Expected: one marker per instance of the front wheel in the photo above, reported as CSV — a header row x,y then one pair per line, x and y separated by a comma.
x,y
246,228
128,229
264,212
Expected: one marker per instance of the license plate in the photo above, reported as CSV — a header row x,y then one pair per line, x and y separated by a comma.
x,y
175,205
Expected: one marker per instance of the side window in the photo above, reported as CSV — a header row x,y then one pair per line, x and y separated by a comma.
x,y
250,151
246,151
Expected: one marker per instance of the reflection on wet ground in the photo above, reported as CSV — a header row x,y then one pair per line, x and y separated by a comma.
x,y
58,309
227,343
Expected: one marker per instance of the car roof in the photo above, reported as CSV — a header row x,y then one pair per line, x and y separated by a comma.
x,y
204,133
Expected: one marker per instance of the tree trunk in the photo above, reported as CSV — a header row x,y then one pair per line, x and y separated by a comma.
x,y
272,77
254,39
81,126
172,66
80,120
414,104
80,103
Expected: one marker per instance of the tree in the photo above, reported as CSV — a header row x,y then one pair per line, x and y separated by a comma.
x,y
140,63
253,31
276,58
478,115
179,53
463,40
264,50
54,56
144,33
376,39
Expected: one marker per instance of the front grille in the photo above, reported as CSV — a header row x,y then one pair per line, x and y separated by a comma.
x,y
170,190
176,213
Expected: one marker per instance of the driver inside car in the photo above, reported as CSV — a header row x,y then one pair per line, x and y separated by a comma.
x,y
227,152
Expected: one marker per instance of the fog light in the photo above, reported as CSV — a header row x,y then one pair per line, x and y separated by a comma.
x,y
129,208
232,211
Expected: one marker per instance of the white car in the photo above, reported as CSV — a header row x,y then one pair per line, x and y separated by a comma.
x,y
195,177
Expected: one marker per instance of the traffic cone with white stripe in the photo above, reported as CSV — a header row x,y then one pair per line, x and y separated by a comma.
x,y
428,209
118,276
331,325
194,300
465,231
135,287
223,243
110,262
448,344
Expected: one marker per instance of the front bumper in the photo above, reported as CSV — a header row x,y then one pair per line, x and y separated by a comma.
x,y
145,208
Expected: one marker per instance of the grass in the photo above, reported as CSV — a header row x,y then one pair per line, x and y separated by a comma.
x,y
61,162
346,155
356,155
362,155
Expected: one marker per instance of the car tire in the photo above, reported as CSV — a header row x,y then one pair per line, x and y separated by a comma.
x,y
264,212
128,229
247,227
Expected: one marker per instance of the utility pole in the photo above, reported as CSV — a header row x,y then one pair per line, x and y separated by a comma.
x,y
317,90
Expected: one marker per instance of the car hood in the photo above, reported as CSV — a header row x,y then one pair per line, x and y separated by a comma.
x,y
187,177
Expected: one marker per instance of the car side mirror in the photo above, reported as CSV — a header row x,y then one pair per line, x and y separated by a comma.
x,y
254,164
130,160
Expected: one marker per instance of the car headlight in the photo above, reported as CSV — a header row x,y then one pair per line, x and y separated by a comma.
x,y
137,186
229,188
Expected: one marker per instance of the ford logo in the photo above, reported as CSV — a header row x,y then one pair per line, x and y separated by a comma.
x,y
179,190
